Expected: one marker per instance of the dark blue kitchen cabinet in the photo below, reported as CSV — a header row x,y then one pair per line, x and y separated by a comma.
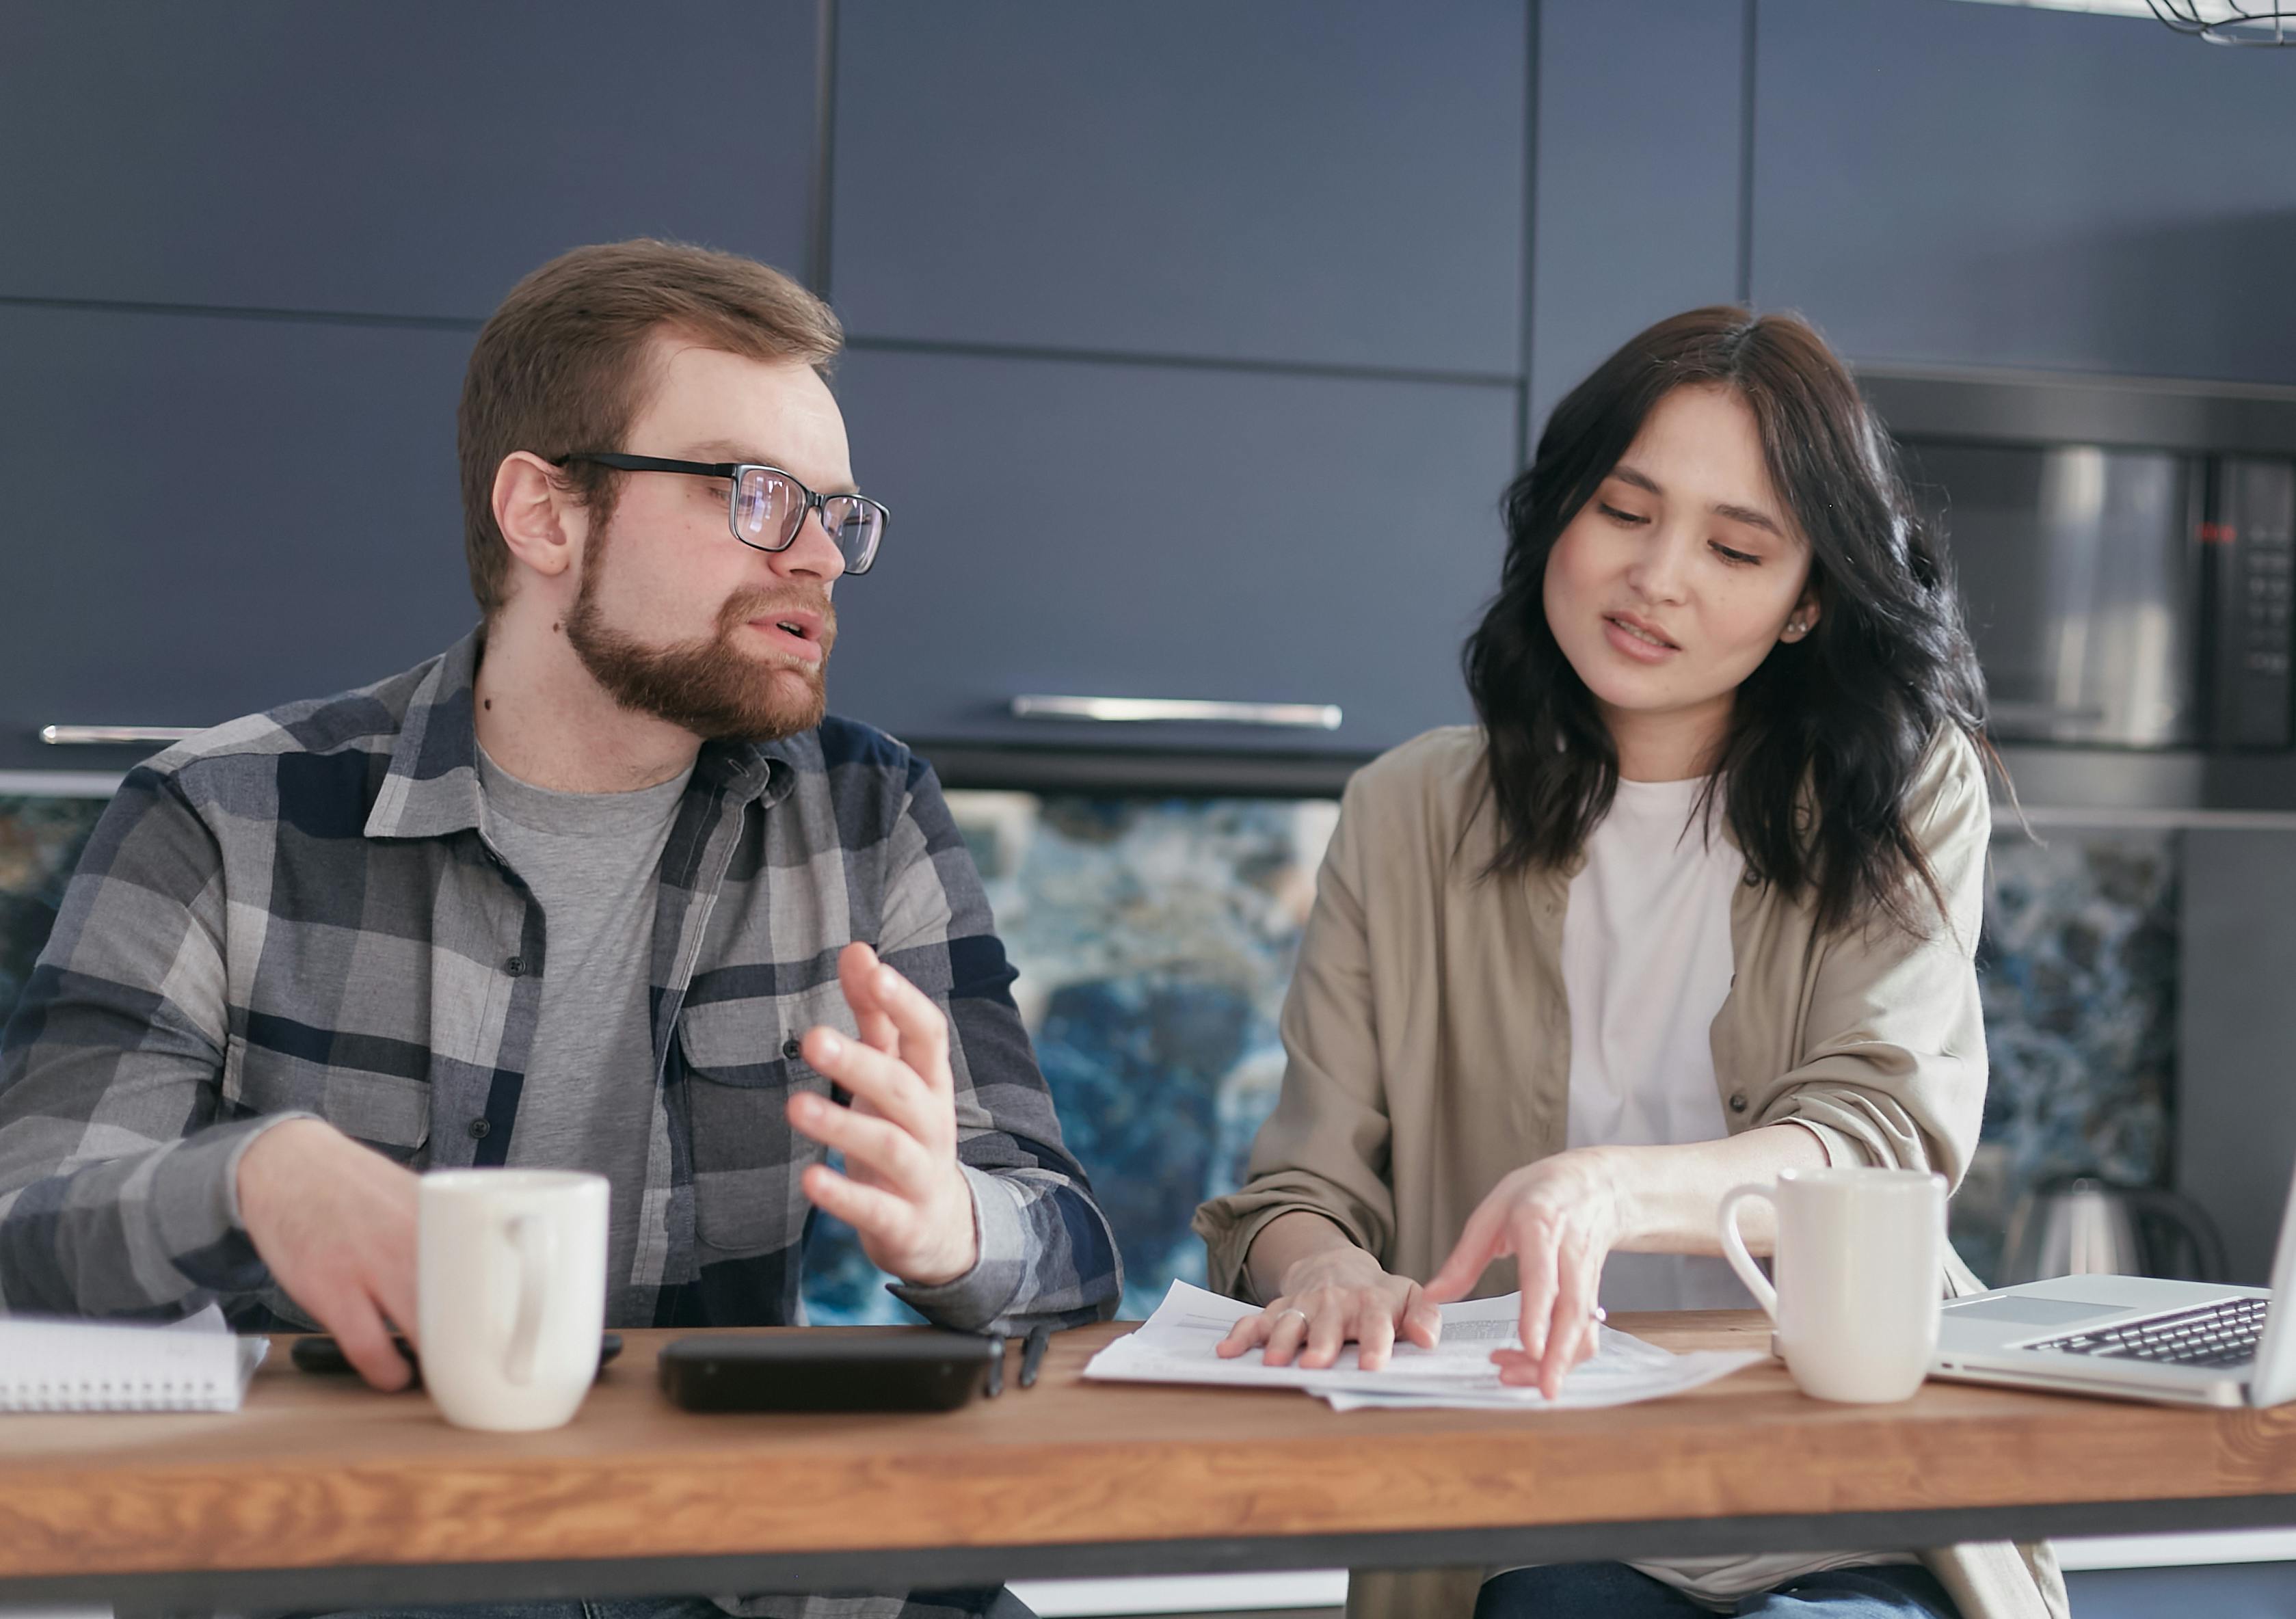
x,y
208,515
1947,184
412,158
2235,1135
2237,1591
211,514
1324,181
1064,528
1640,107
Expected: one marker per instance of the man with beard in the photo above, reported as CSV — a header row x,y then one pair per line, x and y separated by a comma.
x,y
598,888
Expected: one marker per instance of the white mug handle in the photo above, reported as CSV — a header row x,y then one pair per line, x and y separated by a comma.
x,y
1733,1246
531,1235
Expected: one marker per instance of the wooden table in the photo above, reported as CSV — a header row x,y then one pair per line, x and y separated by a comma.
x,y
321,1493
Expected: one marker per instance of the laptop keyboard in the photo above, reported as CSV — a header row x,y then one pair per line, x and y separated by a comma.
x,y
2221,1334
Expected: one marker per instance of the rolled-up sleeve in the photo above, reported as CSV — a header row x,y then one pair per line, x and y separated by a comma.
x,y
1046,1250
1892,1067
1323,1150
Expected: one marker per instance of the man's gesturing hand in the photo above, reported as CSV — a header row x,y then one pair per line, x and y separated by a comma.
x,y
902,1191
335,1222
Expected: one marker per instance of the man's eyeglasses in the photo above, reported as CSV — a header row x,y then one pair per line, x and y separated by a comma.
x,y
766,507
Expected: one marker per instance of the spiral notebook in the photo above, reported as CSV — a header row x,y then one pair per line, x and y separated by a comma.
x,y
196,1364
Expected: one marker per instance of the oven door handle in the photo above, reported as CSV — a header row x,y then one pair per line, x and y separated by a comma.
x,y
1133,710
112,736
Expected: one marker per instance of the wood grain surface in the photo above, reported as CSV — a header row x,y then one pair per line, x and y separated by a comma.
x,y
319,1472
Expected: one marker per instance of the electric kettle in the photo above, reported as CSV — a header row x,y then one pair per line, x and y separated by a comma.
x,y
2085,1227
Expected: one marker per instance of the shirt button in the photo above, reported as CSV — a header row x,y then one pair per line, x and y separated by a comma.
x,y
515,967
790,1048
479,1129
1738,1102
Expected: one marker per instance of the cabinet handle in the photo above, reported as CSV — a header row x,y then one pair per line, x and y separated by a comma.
x,y
1119,710
105,736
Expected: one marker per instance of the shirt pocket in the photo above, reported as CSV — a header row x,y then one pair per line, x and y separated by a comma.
x,y
388,1112
739,1079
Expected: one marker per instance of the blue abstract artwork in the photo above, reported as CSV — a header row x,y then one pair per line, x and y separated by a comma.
x,y
1153,940
2077,969
40,843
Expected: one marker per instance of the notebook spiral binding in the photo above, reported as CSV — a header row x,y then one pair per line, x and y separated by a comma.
x,y
48,1364
107,1394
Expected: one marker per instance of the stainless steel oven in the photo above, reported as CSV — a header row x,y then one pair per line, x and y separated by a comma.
x,y
2126,550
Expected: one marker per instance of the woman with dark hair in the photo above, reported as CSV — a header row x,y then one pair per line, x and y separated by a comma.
x,y
1697,901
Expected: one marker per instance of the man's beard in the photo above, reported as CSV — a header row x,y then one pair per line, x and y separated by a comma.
x,y
708,686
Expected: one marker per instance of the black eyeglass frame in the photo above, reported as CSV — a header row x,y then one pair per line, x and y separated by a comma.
x,y
733,471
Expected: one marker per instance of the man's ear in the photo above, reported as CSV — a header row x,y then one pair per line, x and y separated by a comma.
x,y
540,519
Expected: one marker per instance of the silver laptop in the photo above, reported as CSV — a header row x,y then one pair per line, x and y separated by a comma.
x,y
2132,1337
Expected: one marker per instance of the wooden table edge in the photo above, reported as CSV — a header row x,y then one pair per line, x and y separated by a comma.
x,y
125,1563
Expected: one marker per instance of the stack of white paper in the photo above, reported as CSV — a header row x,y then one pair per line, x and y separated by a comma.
x,y
1177,1344
192,1365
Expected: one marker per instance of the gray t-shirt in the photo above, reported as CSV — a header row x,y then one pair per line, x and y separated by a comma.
x,y
592,860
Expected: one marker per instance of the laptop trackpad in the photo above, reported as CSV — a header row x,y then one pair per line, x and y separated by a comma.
x,y
2030,1312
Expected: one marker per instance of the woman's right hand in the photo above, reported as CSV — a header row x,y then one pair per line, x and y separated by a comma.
x,y
1333,1298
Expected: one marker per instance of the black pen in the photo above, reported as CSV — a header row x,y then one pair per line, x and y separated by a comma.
x,y
1032,1356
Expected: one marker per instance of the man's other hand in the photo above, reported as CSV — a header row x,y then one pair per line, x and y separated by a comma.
x,y
902,1191
335,1222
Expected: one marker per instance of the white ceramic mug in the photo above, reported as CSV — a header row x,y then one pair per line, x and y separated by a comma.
x,y
1859,1263
511,1285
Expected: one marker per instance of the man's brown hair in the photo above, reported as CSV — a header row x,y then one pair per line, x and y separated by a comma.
x,y
562,365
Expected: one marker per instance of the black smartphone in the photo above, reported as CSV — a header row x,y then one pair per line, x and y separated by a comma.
x,y
901,1370
321,1353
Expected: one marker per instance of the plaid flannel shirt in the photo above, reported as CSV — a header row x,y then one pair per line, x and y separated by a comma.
x,y
298,913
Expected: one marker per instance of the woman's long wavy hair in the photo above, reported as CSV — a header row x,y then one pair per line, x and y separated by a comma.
x,y
1827,733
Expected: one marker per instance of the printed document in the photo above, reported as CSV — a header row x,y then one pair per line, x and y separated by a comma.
x,y
1177,1344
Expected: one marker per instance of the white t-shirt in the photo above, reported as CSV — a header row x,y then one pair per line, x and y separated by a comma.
x,y
1647,964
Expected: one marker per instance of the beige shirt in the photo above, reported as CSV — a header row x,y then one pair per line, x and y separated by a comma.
x,y
1428,1039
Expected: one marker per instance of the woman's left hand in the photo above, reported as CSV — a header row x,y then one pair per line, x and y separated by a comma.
x,y
1560,1218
